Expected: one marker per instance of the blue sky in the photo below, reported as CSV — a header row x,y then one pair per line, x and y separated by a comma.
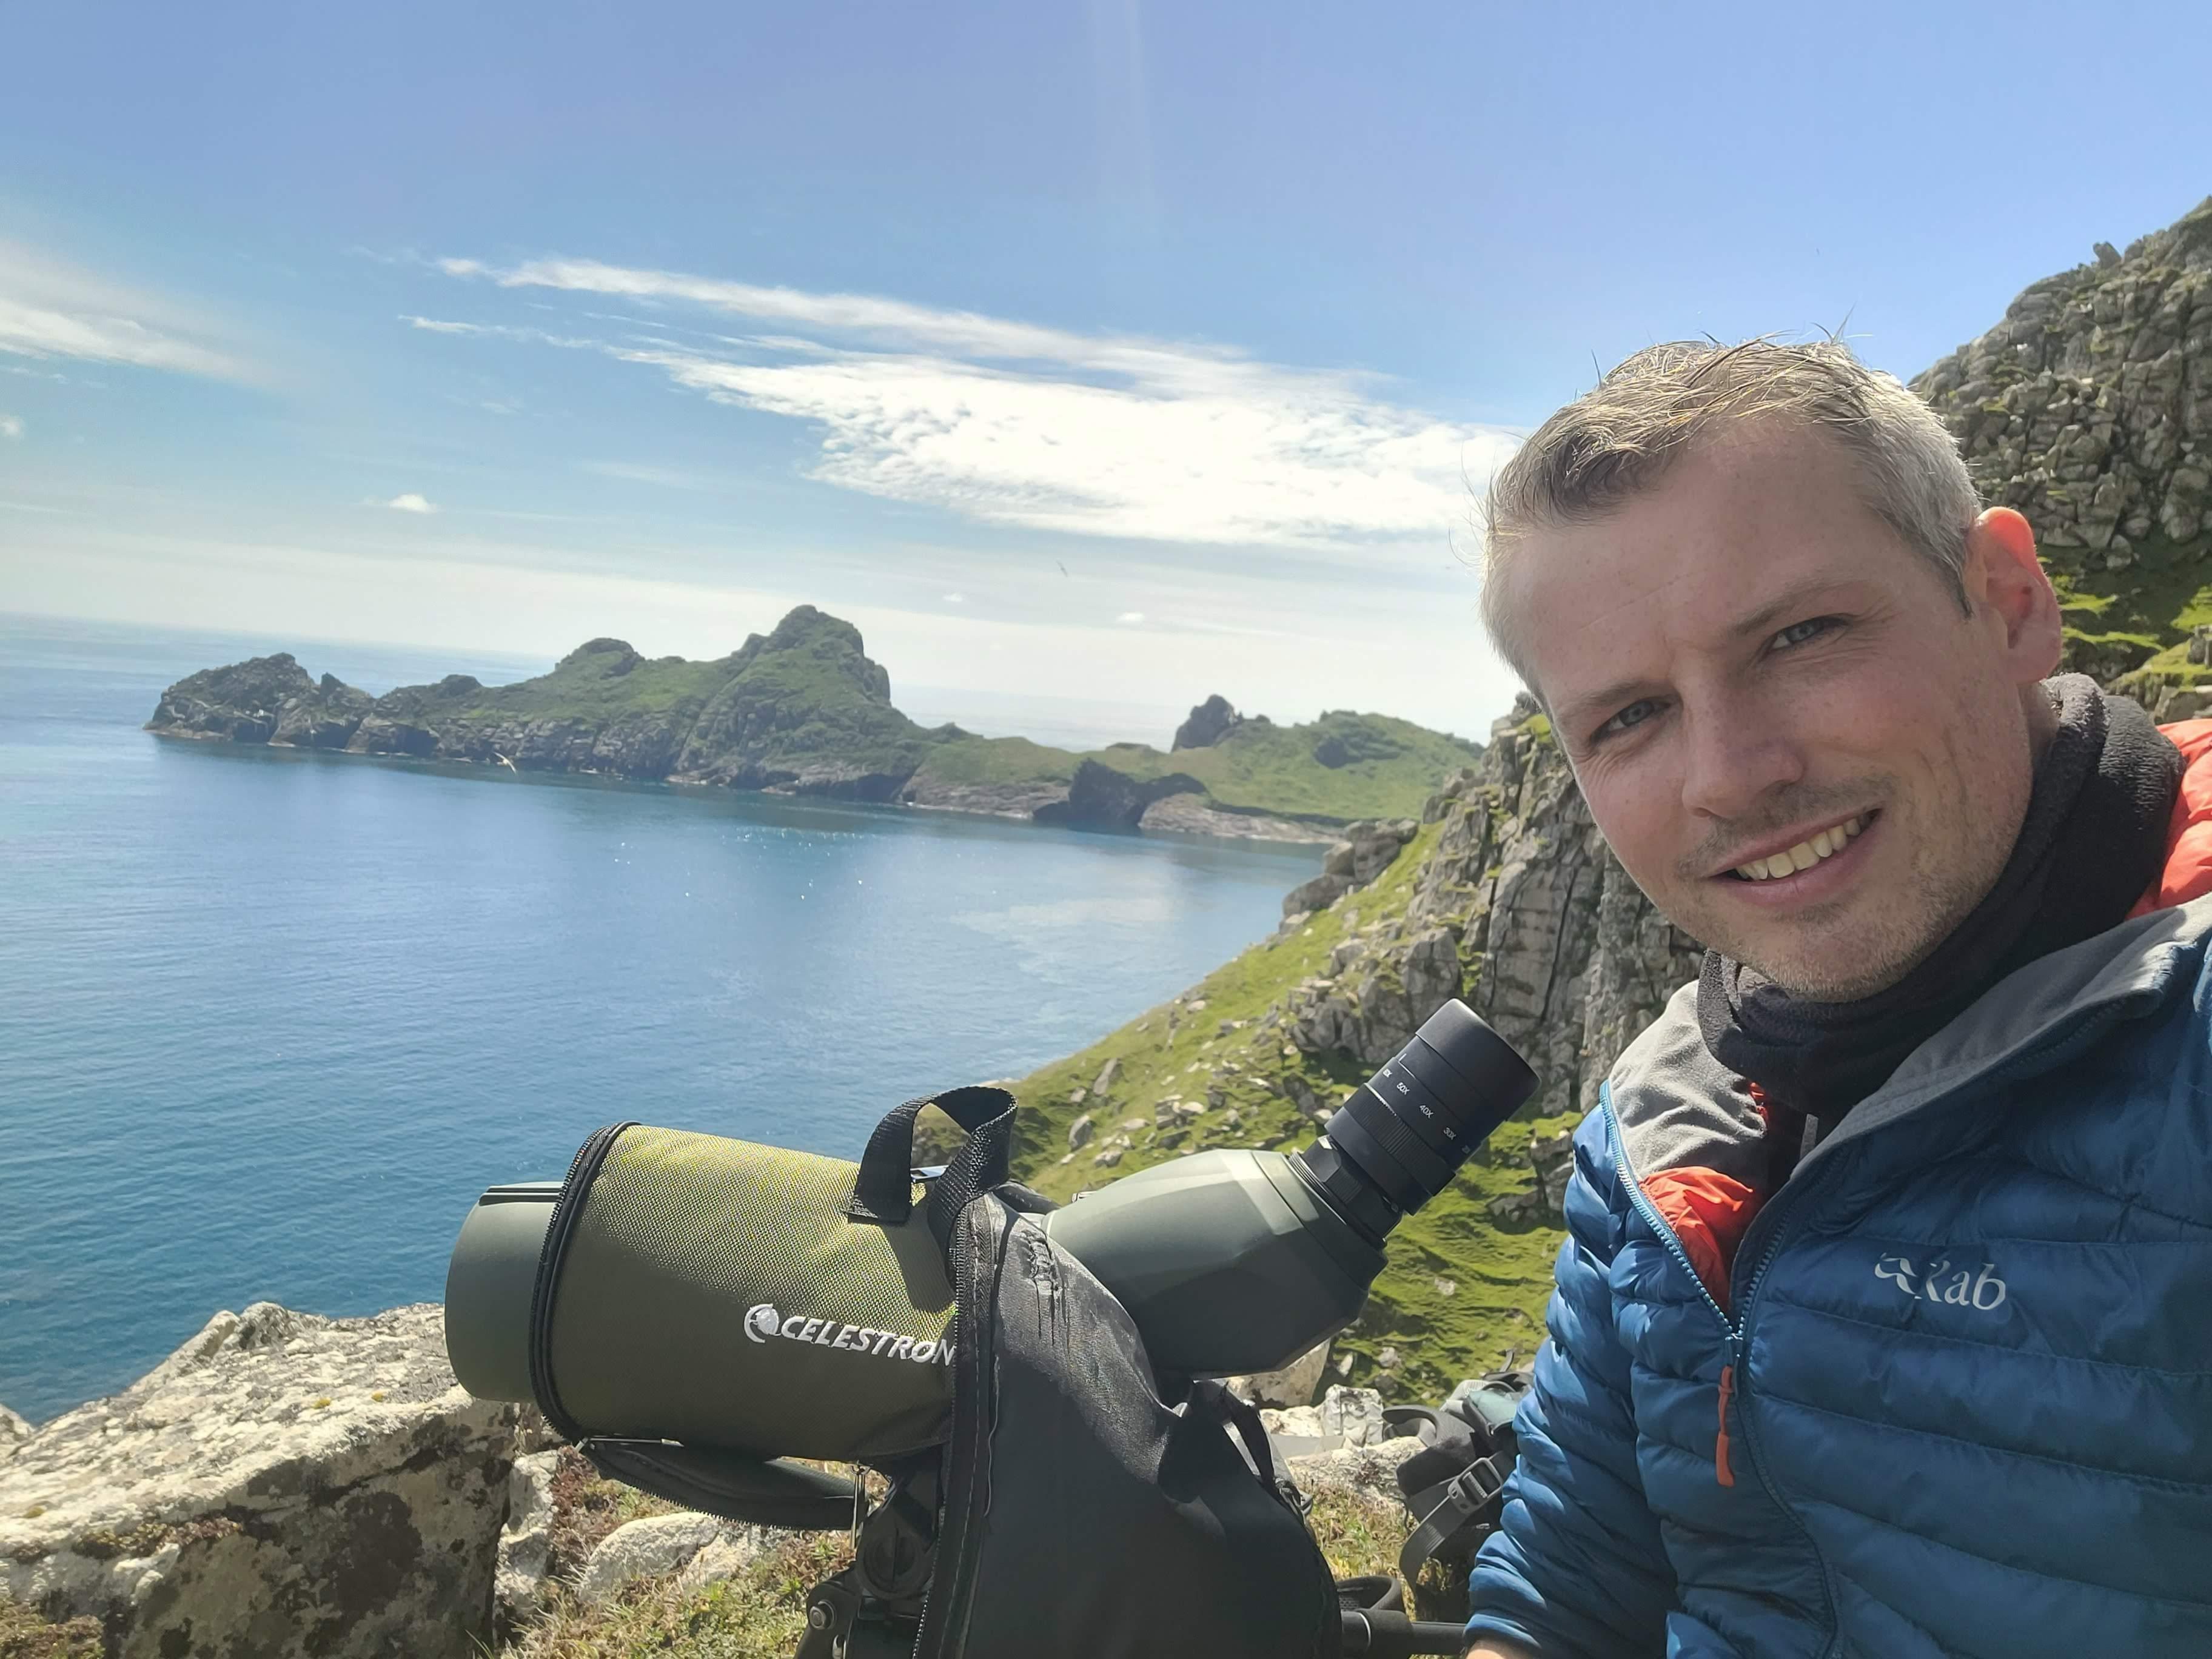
x,y
1111,351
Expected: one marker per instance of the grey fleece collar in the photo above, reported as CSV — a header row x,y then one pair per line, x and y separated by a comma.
x,y
1677,1107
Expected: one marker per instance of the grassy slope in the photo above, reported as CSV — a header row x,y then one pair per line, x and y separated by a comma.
x,y
583,688
1393,766
1460,1291
2141,616
820,715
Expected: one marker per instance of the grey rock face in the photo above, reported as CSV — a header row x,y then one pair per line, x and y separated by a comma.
x,y
14,1430
664,1544
1369,1472
1573,960
520,1577
2089,409
1355,1414
1293,1385
324,718
282,1485
1005,800
1101,798
242,702
1188,815
1211,721
1366,850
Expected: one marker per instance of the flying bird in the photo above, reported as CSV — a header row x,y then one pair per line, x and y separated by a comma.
x,y
507,763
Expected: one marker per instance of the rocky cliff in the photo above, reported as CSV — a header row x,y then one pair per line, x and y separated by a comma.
x,y
2089,408
804,710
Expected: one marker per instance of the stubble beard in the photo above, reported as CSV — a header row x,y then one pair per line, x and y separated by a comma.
x,y
1870,939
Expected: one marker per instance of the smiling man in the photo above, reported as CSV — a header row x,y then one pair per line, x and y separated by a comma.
x,y
1882,1327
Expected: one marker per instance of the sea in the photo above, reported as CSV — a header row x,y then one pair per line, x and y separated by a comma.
x,y
269,1020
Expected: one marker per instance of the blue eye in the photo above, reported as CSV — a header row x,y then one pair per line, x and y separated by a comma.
x,y
1634,714
1799,633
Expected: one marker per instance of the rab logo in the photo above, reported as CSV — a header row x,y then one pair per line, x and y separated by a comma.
x,y
1983,1291
763,1322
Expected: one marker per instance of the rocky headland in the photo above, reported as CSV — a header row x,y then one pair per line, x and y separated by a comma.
x,y
803,710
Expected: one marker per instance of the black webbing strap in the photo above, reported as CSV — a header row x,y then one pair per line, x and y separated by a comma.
x,y
883,1191
1211,1402
1469,1498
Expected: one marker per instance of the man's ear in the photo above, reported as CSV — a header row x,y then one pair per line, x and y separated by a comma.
x,y
2001,564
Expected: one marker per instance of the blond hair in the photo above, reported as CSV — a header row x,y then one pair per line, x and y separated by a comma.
x,y
1620,438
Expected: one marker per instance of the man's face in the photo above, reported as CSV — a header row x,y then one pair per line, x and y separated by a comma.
x,y
1752,674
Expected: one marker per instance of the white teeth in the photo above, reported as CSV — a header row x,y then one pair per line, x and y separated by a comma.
x,y
1805,854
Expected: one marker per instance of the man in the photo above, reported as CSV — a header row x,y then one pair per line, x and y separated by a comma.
x,y
1885,1323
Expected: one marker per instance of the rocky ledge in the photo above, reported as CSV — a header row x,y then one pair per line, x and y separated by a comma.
x,y
282,1484
285,1485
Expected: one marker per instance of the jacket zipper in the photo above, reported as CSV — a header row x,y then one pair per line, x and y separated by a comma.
x,y
1734,1372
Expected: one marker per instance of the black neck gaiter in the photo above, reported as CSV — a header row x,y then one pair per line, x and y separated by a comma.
x,y
2091,841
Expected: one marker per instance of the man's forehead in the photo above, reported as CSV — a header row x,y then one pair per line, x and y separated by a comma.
x,y
1726,543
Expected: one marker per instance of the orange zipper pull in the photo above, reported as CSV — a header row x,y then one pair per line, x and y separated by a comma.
x,y
1722,1473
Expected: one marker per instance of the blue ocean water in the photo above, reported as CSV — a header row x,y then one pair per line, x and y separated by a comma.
x,y
269,1020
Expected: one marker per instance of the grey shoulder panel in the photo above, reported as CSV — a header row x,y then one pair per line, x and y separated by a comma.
x,y
2132,968
1677,1107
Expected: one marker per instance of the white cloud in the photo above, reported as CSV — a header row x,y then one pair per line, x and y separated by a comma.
x,y
48,310
410,502
1092,434
11,426
955,598
1130,616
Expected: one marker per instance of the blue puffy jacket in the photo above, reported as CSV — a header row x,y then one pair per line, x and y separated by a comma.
x,y
1947,1391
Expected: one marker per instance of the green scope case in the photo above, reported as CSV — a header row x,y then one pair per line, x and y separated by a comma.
x,y
716,1292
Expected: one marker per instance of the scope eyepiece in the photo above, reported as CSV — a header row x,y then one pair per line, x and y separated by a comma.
x,y
1402,1136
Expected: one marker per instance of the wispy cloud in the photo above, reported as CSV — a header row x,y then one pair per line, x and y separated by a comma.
x,y
49,309
410,502
1114,435
664,477
1132,617
11,426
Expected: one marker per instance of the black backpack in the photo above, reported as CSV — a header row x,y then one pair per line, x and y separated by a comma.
x,y
1454,1486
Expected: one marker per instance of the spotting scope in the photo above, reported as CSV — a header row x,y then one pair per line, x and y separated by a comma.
x,y
719,1292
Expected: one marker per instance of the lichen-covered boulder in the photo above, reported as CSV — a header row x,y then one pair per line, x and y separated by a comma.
x,y
663,1544
281,1484
525,1567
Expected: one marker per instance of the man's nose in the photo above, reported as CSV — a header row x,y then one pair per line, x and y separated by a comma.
x,y
1738,753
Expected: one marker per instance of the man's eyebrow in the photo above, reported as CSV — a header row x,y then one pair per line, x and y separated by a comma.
x,y
1769,617
1573,711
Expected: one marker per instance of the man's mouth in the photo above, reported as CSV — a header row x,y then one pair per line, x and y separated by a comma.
x,y
1822,845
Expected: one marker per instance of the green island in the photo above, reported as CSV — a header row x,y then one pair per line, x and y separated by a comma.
x,y
803,710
